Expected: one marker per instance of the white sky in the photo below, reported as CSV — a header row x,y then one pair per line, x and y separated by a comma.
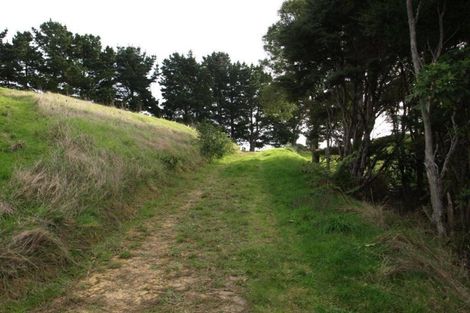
x,y
160,27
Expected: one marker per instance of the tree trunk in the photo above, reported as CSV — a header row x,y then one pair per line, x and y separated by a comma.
x,y
314,144
328,140
432,170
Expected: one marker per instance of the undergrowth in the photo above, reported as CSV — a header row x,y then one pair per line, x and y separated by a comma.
x,y
410,248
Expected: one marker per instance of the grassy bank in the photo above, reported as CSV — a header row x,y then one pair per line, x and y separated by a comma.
x,y
70,173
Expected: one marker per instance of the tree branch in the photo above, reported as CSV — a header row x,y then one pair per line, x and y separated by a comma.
x,y
440,45
453,146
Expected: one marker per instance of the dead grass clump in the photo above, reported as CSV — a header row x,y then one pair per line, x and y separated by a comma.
x,y
30,251
38,244
376,214
411,253
6,208
75,175
11,265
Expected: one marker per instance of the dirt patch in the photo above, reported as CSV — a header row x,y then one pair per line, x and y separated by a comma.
x,y
151,278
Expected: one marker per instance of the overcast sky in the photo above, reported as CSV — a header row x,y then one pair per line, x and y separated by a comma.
x,y
160,27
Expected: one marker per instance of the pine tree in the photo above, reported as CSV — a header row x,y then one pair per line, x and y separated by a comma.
x,y
135,73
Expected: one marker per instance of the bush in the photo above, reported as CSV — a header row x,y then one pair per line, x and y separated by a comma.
x,y
213,142
342,176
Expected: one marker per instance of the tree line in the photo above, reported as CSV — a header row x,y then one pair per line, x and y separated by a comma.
x,y
228,94
218,90
345,63
51,58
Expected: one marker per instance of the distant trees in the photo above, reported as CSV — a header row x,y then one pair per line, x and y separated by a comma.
x,y
51,58
135,73
220,91
217,90
185,89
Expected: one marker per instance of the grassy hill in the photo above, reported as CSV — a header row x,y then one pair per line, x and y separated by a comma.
x,y
70,174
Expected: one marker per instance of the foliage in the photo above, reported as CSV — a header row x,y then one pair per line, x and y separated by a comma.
x,y
213,142
184,88
446,82
342,176
347,63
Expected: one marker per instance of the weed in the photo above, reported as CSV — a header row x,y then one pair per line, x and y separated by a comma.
x,y
125,254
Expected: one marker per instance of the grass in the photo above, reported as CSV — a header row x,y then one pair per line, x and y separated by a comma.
x,y
76,176
23,127
71,174
292,248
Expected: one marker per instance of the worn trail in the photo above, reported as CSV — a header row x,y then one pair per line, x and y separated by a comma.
x,y
249,234
154,275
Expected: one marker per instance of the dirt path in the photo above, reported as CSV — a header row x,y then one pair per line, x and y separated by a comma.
x,y
150,277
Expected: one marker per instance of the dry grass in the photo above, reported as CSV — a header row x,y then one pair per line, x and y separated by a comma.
x,y
75,171
376,214
67,106
6,208
412,253
411,249
30,252
81,190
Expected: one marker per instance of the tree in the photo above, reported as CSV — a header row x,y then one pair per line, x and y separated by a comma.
x,y
282,115
86,53
185,88
104,90
217,66
59,72
135,73
256,118
27,60
435,175
7,63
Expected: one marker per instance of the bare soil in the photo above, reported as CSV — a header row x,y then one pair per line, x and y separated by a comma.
x,y
150,279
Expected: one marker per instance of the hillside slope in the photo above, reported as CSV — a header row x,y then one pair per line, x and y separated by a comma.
x,y
70,172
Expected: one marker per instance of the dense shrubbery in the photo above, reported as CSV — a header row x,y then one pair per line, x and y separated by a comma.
x,y
213,142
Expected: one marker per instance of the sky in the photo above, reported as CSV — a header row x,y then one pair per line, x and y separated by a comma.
x,y
159,27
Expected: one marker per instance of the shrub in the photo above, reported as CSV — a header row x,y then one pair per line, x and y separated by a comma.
x,y
342,176
213,142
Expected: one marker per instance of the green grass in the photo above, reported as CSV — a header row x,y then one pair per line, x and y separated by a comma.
x,y
20,123
296,248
